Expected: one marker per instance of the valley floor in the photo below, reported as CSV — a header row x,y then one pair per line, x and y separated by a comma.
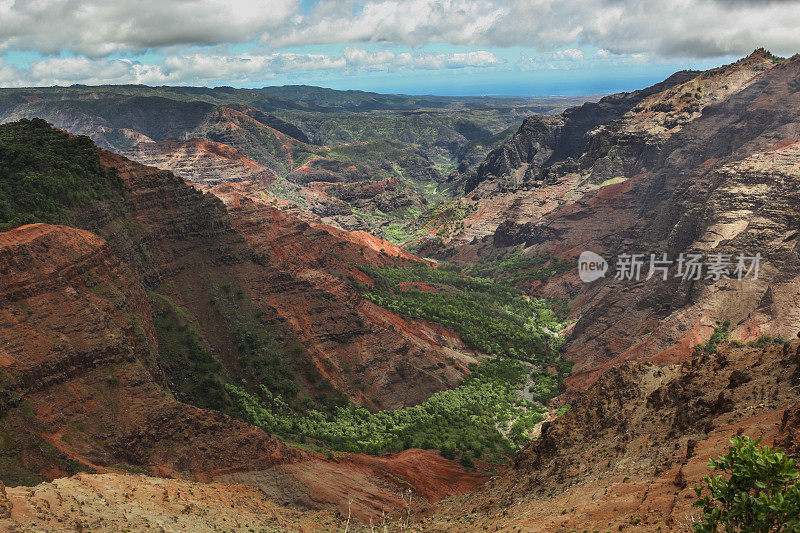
x,y
649,431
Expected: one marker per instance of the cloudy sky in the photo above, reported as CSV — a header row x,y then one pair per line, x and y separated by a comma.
x,y
409,46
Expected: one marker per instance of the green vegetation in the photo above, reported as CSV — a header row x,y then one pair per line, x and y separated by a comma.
x,y
445,128
447,217
268,364
401,232
765,341
227,340
612,181
756,491
12,465
514,268
20,450
465,422
193,371
769,55
720,336
545,386
489,316
45,172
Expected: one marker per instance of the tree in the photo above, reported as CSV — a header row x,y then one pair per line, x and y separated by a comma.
x,y
756,492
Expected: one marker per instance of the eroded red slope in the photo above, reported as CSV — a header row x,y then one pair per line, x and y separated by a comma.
x,y
76,341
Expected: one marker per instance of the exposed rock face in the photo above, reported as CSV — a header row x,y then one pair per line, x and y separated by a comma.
x,y
363,486
635,443
703,163
76,337
110,503
544,141
555,160
395,360
205,161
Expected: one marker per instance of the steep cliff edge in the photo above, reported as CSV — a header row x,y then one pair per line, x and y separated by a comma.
x,y
627,454
702,164
76,337
76,342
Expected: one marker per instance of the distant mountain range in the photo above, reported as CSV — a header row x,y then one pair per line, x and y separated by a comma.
x,y
307,145
341,307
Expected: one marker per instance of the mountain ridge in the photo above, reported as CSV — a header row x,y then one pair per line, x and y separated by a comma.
x,y
245,290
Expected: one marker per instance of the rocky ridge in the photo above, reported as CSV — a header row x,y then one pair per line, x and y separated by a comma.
x,y
701,164
650,431
81,392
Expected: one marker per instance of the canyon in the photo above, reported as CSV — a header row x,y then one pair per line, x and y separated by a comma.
x,y
246,254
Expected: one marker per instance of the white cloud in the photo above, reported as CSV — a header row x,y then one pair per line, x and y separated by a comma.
x,y
558,60
245,68
573,58
410,22
571,54
101,27
358,58
195,35
678,28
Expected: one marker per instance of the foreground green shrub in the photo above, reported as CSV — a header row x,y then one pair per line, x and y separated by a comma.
x,y
719,337
756,492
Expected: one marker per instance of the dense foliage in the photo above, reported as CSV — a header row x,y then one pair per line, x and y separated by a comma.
x,y
514,268
491,317
45,172
464,422
757,491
